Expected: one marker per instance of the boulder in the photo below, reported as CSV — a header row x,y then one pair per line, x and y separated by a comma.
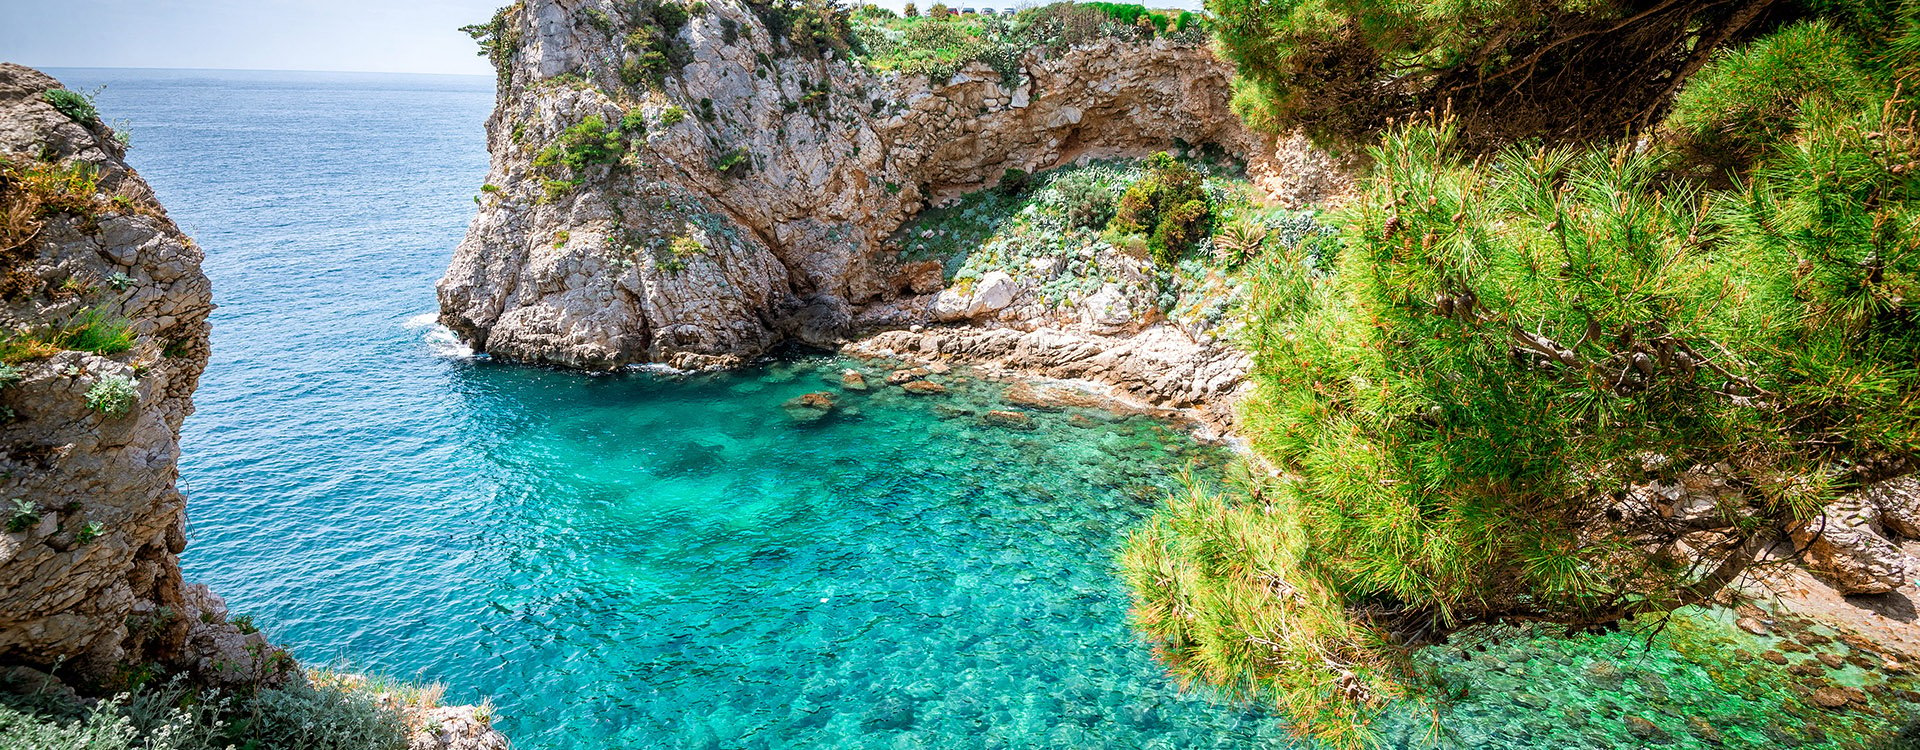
x,y
924,388
898,377
1844,547
1009,419
1051,397
1831,697
1898,501
852,380
993,292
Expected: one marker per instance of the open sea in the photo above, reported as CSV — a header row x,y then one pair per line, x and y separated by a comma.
x,y
653,561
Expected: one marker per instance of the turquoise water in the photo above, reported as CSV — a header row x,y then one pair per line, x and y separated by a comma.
x,y
649,561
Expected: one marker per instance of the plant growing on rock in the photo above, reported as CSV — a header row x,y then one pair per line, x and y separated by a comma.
x,y
733,163
75,105
590,142
22,516
113,396
499,39
1239,241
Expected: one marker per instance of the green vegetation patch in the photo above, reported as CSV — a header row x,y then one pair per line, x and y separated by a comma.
x,y
75,105
91,329
940,44
1058,229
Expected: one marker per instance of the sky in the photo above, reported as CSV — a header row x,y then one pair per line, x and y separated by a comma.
x,y
392,36
384,36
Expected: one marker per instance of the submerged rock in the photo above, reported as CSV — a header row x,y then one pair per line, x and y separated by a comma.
x,y
1009,419
852,380
924,388
809,407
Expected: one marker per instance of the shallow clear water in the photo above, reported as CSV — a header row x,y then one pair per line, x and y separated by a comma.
x,y
649,561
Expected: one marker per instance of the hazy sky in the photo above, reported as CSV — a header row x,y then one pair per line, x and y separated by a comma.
x,y
408,36
397,36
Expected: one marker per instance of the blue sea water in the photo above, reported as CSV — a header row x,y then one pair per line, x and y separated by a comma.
x,y
644,561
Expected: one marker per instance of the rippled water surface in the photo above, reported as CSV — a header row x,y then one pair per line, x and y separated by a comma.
x,y
647,561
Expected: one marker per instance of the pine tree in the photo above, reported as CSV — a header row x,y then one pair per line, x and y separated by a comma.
x,y
1459,411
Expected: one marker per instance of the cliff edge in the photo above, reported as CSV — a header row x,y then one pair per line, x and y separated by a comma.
x,y
103,337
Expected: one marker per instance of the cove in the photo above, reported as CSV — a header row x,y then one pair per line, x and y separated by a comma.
x,y
646,560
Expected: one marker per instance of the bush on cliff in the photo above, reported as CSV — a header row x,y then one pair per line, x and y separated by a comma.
x,y
1456,400
591,141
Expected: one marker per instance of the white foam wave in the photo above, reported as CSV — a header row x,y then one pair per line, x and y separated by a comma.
x,y
420,321
443,343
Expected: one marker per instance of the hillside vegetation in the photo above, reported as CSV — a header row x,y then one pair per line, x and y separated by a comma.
x,y
1535,306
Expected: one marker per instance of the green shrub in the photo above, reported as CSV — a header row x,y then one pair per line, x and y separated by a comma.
x,y
499,40
634,122
91,531
75,105
10,374
645,68
104,729
672,115
114,395
1168,206
590,142
173,715
1502,345
1014,181
553,190
733,163
1084,198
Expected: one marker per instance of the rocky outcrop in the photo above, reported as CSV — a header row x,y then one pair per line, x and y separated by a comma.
x,y
1161,366
1852,544
757,204
103,337
105,316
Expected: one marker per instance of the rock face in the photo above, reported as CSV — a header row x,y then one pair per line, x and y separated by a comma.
x,y
103,318
757,204
88,573
1852,543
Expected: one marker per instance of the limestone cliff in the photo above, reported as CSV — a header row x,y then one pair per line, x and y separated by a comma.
x,y
103,337
103,310
753,189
